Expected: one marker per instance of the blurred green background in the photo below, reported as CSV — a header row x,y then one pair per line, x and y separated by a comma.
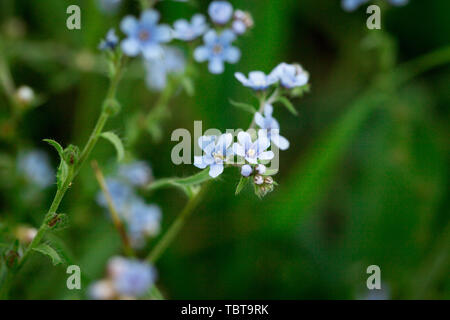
x,y
364,182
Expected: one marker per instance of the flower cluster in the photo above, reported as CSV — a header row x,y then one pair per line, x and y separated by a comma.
x,y
142,220
251,151
352,5
148,38
126,279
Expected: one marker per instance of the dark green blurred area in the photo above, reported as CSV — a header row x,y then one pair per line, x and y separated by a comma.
x,y
364,182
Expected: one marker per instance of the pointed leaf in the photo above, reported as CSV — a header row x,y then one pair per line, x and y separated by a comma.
x,y
63,168
116,142
288,104
49,251
242,183
244,106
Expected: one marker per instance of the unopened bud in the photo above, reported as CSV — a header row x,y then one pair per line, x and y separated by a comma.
x,y
268,180
260,168
25,95
102,290
25,234
258,179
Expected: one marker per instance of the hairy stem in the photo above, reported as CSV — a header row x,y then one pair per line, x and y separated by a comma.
x,y
74,170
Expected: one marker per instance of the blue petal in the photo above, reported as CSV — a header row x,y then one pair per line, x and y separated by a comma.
x,y
130,47
201,54
150,17
129,25
215,170
216,66
163,33
232,54
152,51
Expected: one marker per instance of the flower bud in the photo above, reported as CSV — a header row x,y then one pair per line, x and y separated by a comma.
x,y
102,290
258,179
25,95
268,180
25,234
260,168
246,170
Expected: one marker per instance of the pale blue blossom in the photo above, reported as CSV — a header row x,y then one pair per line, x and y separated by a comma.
x,y
271,127
252,151
158,69
188,31
220,12
217,50
131,278
110,42
257,80
145,35
242,20
290,75
216,153
144,221
246,170
34,166
137,173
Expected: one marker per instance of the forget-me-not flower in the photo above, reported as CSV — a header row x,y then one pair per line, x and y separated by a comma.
x,y
217,49
220,12
145,36
246,170
241,22
216,153
257,80
252,151
110,42
290,75
172,61
188,31
271,127
131,278
144,221
35,166
137,173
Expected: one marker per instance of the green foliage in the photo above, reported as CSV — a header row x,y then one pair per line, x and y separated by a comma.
x,y
116,142
63,168
47,250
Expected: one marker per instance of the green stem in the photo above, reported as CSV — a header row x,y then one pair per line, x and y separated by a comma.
x,y
74,170
176,226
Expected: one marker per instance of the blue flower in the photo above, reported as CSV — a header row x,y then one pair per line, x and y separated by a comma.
x,y
35,166
144,36
183,30
109,6
217,50
270,127
131,278
122,196
216,153
290,75
110,42
144,221
220,11
137,173
257,80
172,61
252,151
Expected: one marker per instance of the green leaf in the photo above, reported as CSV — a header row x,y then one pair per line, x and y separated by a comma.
x,y
185,184
63,168
49,251
242,183
288,104
116,142
243,106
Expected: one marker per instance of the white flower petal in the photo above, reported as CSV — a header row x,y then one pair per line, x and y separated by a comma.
x,y
259,120
280,141
244,139
267,155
